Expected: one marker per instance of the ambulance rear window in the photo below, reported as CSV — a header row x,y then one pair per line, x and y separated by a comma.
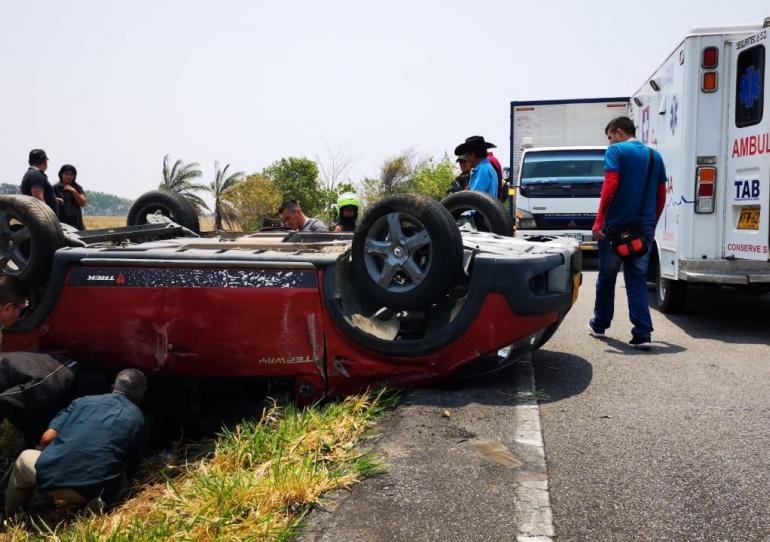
x,y
750,87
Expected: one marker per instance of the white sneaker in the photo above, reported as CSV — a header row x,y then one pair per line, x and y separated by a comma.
x,y
593,333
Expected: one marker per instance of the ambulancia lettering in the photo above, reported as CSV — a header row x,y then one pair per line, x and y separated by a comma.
x,y
751,145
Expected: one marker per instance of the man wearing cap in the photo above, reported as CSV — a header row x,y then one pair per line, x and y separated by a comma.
x,y
461,181
483,175
35,182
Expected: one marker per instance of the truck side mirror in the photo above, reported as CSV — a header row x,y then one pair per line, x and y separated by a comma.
x,y
507,174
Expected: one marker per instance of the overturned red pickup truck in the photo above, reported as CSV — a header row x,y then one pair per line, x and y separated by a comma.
x,y
421,292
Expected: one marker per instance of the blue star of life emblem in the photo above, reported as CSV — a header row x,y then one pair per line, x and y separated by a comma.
x,y
749,87
674,111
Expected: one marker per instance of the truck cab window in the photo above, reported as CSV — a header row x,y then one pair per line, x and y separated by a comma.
x,y
563,167
749,88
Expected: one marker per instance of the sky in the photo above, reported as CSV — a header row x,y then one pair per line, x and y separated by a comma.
x,y
112,87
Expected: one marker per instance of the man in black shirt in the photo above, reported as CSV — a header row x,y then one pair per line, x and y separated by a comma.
x,y
35,182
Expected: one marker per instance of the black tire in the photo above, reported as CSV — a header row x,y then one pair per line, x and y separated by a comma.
x,y
491,214
169,204
670,295
406,269
30,233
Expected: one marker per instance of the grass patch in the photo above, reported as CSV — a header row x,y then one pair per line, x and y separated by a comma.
x,y
253,482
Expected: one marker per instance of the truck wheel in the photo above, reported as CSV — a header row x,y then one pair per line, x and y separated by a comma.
x,y
489,213
406,252
169,204
670,295
30,233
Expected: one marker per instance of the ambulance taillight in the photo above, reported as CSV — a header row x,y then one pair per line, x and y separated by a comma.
x,y
705,181
710,58
709,82
709,61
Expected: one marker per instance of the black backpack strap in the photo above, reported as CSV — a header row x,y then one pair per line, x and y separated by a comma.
x,y
650,164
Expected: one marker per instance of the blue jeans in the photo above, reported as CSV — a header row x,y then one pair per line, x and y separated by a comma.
x,y
635,275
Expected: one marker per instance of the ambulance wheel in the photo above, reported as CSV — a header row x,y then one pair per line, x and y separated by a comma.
x,y
169,204
406,252
30,233
670,295
489,214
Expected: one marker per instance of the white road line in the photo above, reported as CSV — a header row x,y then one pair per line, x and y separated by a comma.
x,y
534,519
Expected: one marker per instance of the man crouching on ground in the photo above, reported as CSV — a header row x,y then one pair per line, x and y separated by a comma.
x,y
87,450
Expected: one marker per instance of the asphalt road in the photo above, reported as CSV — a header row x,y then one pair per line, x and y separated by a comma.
x,y
668,445
450,472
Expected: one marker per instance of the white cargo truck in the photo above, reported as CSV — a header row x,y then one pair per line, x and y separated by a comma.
x,y
706,111
557,164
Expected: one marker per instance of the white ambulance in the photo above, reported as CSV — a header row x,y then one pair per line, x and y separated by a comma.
x,y
706,111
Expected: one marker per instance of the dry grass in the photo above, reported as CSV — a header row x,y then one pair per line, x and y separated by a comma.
x,y
101,222
255,482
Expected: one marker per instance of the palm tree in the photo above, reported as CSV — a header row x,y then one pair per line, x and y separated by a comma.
x,y
223,210
179,179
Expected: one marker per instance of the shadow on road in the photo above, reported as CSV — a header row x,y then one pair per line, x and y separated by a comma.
x,y
495,389
724,314
660,348
560,375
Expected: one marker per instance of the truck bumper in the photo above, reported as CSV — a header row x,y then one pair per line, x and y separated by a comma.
x,y
724,271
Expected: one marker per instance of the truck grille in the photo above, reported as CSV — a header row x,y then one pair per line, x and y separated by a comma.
x,y
562,222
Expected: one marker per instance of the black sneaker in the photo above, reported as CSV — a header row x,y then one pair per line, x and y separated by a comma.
x,y
641,343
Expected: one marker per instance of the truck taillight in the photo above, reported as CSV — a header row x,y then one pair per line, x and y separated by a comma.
x,y
705,181
710,58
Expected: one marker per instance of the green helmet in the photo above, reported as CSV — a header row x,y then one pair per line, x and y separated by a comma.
x,y
347,199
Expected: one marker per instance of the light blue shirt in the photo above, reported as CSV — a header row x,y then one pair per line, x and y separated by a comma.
x,y
484,178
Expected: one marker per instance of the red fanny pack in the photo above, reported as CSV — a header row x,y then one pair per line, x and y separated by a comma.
x,y
627,238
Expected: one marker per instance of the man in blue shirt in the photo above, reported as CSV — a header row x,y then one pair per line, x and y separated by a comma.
x,y
87,450
483,176
626,185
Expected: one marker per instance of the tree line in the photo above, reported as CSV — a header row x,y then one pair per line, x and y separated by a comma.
x,y
244,201
99,203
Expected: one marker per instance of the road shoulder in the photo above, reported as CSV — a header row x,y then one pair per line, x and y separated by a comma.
x,y
453,467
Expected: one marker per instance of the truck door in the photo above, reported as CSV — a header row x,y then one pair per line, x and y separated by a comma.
x,y
747,191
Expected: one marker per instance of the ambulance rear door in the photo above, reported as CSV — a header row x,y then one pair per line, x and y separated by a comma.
x,y
747,190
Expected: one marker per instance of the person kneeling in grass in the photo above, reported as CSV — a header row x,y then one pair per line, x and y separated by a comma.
x,y
87,451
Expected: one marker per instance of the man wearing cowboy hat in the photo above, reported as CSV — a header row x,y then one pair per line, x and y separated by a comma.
x,y
483,175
